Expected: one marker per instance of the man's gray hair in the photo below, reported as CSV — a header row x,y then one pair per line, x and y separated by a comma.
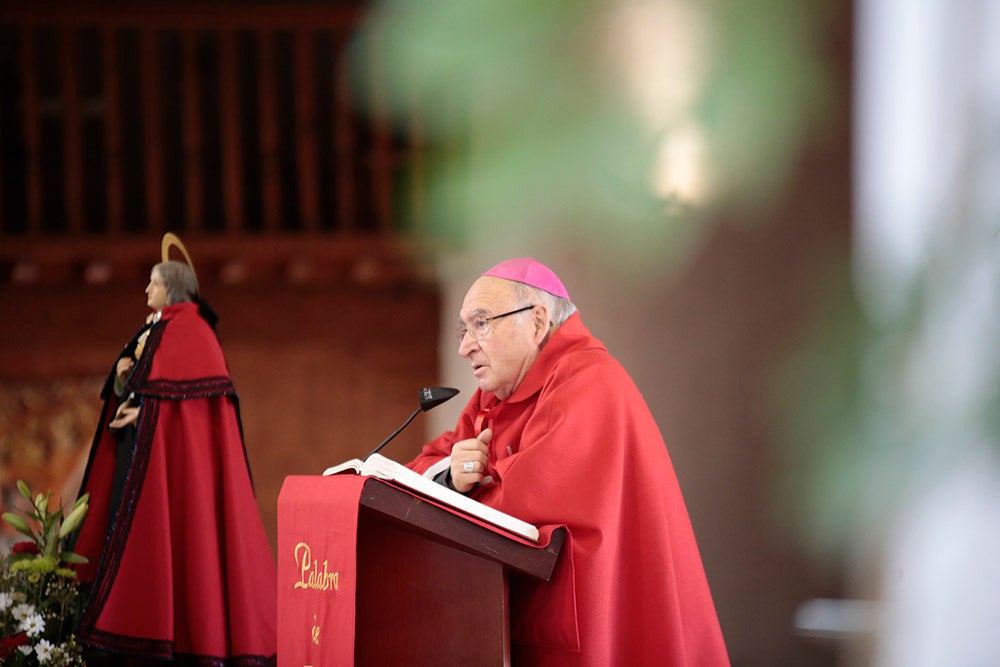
x,y
559,309
179,280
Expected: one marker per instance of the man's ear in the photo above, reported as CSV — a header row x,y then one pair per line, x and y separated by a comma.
x,y
542,321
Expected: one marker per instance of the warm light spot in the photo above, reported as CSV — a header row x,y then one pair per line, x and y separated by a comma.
x,y
662,50
680,169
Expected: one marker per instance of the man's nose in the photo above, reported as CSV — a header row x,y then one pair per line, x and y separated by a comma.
x,y
467,345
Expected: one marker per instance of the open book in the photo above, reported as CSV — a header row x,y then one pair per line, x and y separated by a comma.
x,y
379,466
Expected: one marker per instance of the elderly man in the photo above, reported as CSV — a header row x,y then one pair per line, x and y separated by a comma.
x,y
558,434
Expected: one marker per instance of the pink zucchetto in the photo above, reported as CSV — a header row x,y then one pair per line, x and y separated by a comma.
x,y
530,272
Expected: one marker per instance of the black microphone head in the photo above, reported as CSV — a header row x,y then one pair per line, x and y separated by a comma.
x,y
431,397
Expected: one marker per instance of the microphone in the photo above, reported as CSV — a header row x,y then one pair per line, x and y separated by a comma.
x,y
430,397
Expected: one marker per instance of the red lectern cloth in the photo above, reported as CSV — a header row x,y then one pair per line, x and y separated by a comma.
x,y
317,557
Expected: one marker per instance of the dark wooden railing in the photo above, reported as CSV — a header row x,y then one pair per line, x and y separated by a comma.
x,y
220,120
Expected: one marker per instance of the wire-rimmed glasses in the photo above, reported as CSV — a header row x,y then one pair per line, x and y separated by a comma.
x,y
480,327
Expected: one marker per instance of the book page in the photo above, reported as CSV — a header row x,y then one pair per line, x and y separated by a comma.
x,y
380,466
353,466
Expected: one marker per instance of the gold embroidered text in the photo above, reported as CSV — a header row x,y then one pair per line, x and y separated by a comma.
x,y
311,576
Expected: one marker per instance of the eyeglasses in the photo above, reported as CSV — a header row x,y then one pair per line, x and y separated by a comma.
x,y
480,327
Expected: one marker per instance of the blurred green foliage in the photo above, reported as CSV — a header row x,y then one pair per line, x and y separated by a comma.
x,y
878,407
532,130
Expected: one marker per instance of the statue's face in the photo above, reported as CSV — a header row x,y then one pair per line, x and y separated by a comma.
x,y
156,291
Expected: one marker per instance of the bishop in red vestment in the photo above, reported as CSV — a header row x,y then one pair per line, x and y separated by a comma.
x,y
180,569
558,434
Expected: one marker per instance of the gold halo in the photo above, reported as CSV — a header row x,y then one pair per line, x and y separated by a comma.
x,y
170,239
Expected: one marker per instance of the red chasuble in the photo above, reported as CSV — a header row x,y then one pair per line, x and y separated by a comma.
x,y
180,567
576,445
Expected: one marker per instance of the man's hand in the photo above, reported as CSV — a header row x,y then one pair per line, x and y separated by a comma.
x,y
476,453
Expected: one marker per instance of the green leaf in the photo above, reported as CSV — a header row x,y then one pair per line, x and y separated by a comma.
x,y
13,558
51,541
72,557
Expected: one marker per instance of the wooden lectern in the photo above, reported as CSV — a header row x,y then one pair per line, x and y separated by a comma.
x,y
431,586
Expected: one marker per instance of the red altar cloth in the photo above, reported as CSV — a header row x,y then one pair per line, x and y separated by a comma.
x,y
317,554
